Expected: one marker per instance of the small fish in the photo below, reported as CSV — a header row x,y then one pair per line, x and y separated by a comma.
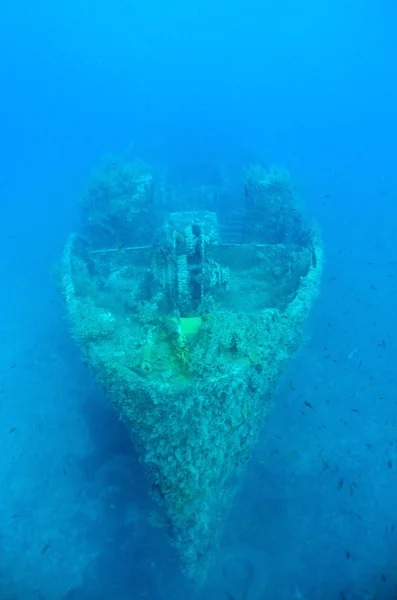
x,y
12,430
340,484
244,413
246,191
390,463
165,255
45,548
291,454
234,429
348,555
245,524
309,405
325,466
181,589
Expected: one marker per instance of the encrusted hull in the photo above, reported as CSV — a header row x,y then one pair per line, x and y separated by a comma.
x,y
188,337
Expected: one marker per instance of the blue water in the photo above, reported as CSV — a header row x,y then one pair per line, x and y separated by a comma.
x,y
307,85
